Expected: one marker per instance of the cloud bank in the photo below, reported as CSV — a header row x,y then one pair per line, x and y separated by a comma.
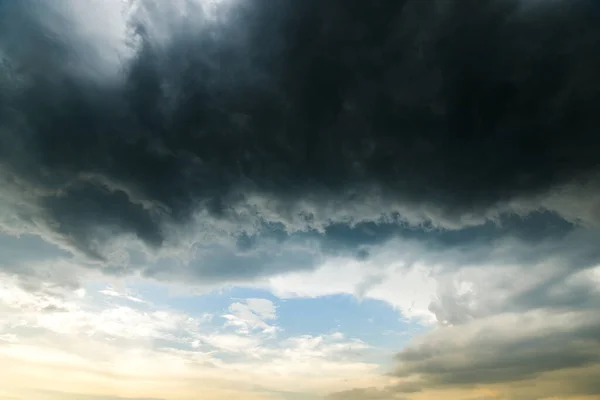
x,y
263,120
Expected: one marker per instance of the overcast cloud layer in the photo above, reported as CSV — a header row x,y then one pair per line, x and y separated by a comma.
x,y
294,116
274,143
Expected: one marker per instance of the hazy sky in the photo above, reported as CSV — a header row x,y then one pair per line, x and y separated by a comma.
x,y
299,199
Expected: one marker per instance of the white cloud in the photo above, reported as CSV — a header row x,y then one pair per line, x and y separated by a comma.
x,y
251,314
9,338
69,313
109,291
233,343
140,340
407,286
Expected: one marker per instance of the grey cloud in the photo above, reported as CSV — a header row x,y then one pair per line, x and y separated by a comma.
x,y
212,253
407,387
324,117
524,329
17,251
222,257
367,284
492,351
528,330
505,285
528,355
365,394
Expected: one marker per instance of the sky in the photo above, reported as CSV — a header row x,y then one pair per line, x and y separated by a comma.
x,y
299,200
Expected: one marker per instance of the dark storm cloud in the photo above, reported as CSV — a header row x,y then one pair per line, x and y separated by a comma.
x,y
533,228
309,115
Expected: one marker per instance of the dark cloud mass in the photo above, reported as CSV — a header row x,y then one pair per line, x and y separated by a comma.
x,y
310,115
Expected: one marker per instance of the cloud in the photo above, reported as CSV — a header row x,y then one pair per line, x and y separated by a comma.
x,y
63,312
185,129
252,314
108,344
364,394
410,289
113,293
530,337
492,350
437,155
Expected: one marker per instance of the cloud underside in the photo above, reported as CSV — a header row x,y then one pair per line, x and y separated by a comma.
x,y
234,129
269,144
